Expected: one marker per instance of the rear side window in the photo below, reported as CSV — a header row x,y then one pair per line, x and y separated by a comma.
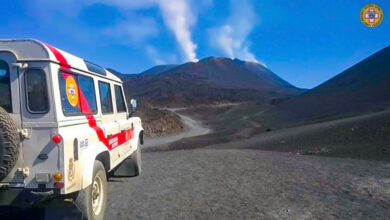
x,y
120,101
105,97
36,88
77,94
87,92
5,87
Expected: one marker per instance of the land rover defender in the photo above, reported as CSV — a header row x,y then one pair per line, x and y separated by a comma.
x,y
65,127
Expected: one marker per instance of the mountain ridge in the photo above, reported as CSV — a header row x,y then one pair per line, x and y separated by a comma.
x,y
362,88
210,80
155,70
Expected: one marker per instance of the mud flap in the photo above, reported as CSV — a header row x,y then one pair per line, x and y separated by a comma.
x,y
68,210
128,168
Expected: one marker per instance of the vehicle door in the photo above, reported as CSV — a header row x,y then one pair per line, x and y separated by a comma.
x,y
10,101
109,124
9,86
121,118
37,111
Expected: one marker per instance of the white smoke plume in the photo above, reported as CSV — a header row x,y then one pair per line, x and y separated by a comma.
x,y
179,19
232,38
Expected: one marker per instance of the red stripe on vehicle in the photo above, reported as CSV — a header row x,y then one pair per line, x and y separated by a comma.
x,y
83,106
60,58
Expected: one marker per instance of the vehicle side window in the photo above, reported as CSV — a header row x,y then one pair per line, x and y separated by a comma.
x,y
87,94
36,89
120,101
77,94
5,87
105,98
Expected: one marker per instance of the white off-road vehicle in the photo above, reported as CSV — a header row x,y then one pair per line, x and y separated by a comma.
x,y
64,129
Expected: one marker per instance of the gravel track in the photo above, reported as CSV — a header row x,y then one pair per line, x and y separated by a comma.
x,y
251,184
193,128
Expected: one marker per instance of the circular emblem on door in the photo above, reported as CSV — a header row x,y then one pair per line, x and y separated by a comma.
x,y
371,15
72,91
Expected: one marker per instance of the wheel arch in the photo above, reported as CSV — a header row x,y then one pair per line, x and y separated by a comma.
x,y
94,152
104,157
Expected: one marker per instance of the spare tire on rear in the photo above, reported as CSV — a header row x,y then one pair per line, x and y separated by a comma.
x,y
9,144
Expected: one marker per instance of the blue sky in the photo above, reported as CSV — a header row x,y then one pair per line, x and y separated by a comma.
x,y
304,42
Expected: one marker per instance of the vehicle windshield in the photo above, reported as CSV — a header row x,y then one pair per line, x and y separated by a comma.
x,y
5,87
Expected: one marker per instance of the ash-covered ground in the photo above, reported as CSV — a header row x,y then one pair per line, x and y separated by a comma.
x,y
251,184
334,169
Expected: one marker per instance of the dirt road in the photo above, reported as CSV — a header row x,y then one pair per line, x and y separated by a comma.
x,y
192,128
251,184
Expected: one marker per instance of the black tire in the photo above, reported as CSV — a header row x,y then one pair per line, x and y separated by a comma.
x,y
9,144
84,200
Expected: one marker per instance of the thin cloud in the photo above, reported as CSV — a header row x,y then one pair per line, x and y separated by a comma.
x,y
177,16
160,58
46,10
154,55
134,30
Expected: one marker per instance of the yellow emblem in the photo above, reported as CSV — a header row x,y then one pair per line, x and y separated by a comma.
x,y
71,169
371,15
72,91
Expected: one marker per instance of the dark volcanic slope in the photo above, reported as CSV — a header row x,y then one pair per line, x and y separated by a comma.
x,y
158,69
227,73
115,72
210,80
152,71
362,88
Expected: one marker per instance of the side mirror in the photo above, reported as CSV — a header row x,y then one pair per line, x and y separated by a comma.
x,y
133,106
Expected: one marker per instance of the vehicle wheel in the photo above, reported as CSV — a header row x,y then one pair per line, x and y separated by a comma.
x,y
9,143
93,199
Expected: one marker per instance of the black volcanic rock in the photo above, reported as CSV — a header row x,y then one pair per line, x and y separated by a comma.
x,y
365,87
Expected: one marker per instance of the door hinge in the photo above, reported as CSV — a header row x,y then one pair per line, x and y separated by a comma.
x,y
25,171
20,65
24,133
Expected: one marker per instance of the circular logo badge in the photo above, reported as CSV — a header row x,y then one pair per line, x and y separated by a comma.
x,y
371,15
72,91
